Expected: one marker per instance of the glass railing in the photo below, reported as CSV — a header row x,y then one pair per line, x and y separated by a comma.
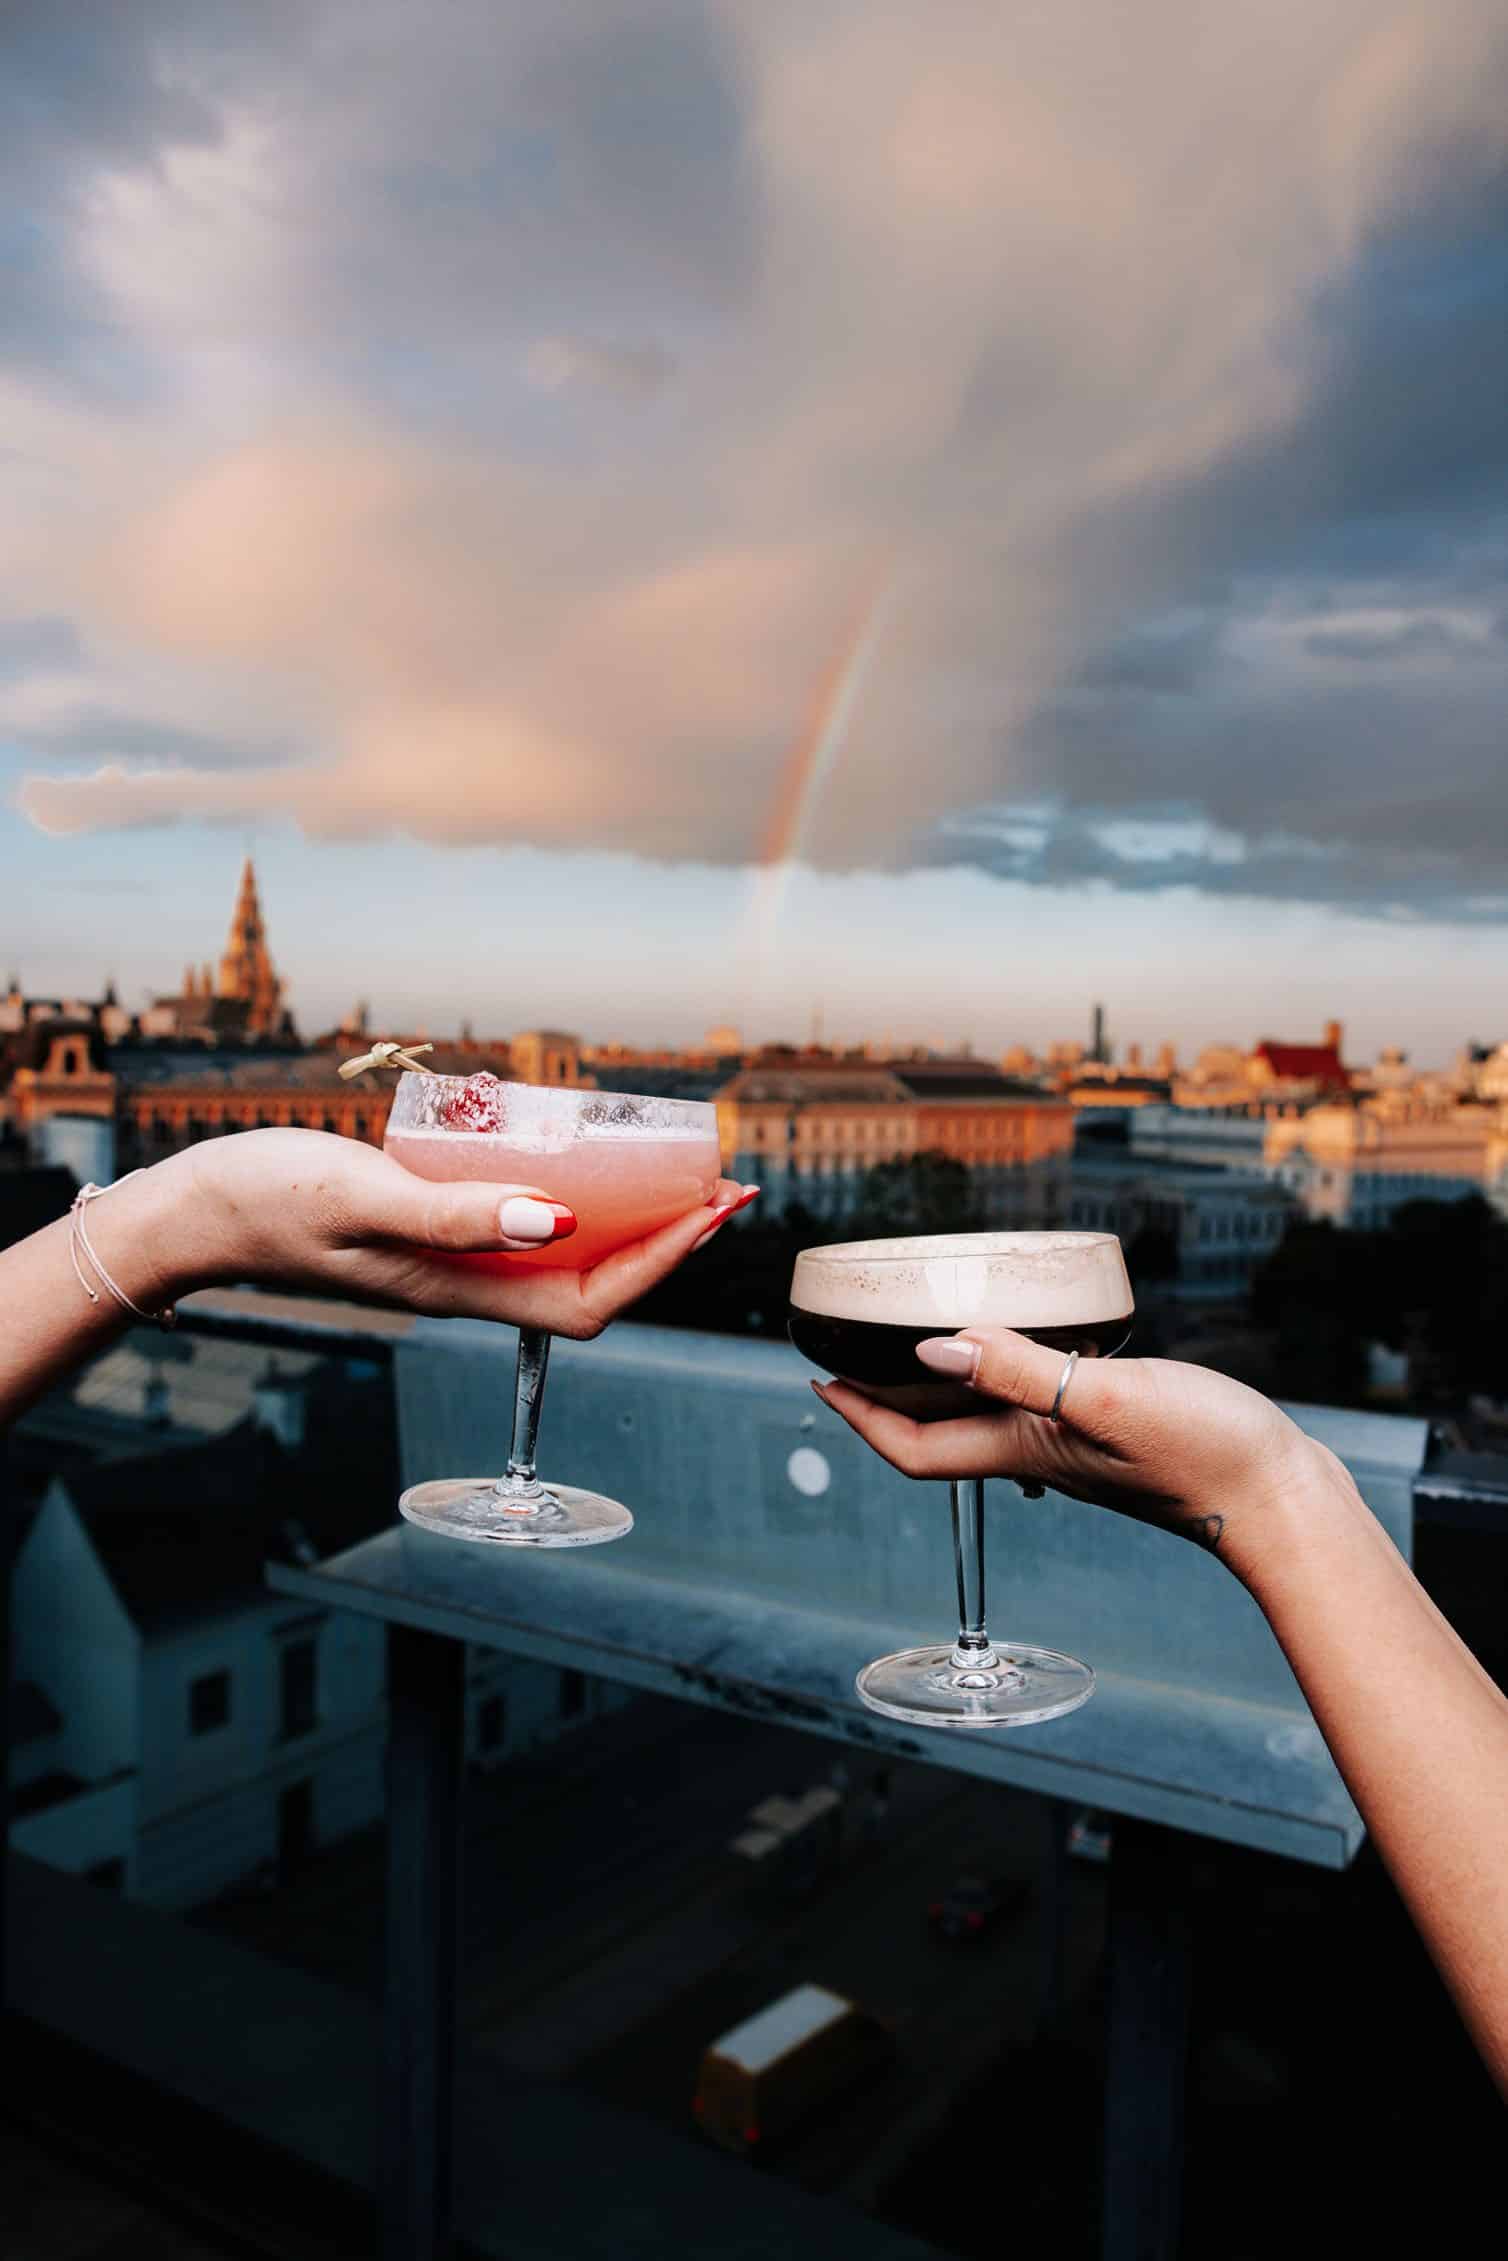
x,y
672,1811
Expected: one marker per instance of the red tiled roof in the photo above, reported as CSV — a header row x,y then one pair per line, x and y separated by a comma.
x,y
1304,1063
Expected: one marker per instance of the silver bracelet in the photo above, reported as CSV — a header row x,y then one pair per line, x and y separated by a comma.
x,y
79,1241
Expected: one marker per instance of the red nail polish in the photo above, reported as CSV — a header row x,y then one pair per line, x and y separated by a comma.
x,y
716,1226
565,1220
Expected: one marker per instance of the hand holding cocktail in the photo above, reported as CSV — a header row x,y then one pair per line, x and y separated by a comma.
x,y
1179,1446
631,1166
881,1314
306,1209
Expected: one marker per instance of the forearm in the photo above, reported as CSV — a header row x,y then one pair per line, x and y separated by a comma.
x,y
1418,1730
152,1233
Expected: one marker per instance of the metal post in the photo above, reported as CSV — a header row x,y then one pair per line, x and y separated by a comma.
x,y
1147,2042
1053,1897
426,1710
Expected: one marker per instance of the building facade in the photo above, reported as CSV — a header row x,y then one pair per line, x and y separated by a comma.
x,y
1219,1225
182,1731
1355,1163
809,1135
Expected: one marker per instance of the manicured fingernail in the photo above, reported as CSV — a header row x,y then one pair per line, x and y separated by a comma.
x,y
949,1354
721,1215
819,1389
531,1223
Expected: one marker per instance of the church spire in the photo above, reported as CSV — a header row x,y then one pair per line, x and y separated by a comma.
x,y
246,976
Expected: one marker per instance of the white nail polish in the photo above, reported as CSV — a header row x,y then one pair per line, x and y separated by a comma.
x,y
526,1222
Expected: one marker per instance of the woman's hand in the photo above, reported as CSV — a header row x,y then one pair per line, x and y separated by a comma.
x,y
305,1209
1170,1444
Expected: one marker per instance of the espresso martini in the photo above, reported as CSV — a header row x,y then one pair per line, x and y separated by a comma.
x,y
859,1309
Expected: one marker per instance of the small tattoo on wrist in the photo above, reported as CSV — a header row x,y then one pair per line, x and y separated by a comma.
x,y
1205,1531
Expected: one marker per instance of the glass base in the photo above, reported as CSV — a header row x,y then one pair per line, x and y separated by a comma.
x,y
930,1689
558,1515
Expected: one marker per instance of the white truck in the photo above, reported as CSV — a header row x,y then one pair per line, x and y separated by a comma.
x,y
767,2078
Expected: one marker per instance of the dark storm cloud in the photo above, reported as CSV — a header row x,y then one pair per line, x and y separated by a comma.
x,y
1171,656
105,736
85,92
1178,848
1427,638
539,387
1371,742
30,647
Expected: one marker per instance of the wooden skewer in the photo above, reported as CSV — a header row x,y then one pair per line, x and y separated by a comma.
x,y
388,1055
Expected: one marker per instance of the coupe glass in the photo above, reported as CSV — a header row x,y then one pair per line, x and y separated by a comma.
x,y
859,1309
626,1165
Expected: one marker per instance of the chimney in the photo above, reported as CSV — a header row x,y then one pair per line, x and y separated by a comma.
x,y
1334,1036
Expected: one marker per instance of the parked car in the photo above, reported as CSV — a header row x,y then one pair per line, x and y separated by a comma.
x,y
1090,1836
972,1906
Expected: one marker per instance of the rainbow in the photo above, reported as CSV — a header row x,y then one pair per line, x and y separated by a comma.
x,y
810,764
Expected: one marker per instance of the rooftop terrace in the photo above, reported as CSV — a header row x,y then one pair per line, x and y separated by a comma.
x,y
607,1934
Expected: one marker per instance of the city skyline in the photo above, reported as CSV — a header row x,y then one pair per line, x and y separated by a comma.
x,y
319,1007
715,493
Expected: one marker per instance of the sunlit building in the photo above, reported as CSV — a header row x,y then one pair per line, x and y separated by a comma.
x,y
810,1135
243,1000
1355,1162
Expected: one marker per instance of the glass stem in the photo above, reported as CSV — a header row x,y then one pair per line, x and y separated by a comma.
x,y
521,1484
973,1650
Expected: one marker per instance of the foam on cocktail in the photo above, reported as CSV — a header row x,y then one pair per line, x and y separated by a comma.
x,y
958,1280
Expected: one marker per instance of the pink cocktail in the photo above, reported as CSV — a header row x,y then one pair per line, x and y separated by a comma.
x,y
626,1164
621,1182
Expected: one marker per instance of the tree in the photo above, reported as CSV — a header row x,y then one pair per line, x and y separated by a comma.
x,y
921,1193
1434,1284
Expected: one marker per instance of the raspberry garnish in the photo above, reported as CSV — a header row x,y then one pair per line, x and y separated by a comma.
x,y
477,1106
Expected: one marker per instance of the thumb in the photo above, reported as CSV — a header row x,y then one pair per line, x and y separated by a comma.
x,y
999,1363
460,1217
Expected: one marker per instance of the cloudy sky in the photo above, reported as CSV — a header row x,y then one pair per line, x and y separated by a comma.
x,y
643,512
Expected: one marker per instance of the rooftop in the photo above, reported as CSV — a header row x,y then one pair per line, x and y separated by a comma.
x,y
830,1081
1305,1063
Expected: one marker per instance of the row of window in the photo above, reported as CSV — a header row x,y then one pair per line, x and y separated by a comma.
x,y
164,1129
1242,1224
1217,1225
492,1711
209,1696
1222,1268
974,1137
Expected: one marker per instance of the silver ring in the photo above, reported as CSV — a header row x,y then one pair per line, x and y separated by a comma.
x,y
1067,1376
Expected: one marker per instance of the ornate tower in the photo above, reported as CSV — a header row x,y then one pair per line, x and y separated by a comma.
x,y
246,974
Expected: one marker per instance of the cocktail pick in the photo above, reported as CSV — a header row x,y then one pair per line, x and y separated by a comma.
x,y
388,1055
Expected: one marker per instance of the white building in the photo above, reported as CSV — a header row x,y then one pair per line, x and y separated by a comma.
x,y
181,1730
1354,1164
205,1730
1222,1225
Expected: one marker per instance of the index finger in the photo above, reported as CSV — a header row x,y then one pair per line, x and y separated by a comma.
x,y
982,1444
631,1272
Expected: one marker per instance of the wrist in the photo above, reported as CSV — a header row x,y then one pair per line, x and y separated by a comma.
x,y
1297,1506
160,1233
